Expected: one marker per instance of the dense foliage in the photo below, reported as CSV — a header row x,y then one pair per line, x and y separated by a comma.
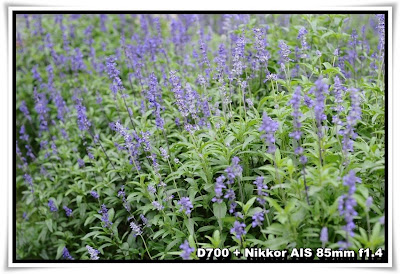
x,y
148,136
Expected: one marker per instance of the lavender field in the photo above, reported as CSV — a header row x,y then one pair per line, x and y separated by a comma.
x,y
146,137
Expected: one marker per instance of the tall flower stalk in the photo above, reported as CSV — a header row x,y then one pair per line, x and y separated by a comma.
x,y
296,134
320,90
346,207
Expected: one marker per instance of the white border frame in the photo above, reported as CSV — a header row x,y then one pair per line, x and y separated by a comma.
x,y
388,219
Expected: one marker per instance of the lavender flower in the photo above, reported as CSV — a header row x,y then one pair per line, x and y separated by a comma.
x,y
132,142
52,206
81,163
93,252
249,102
94,194
41,109
24,109
164,153
308,101
157,205
23,135
230,195
302,37
29,181
260,45
186,205
320,90
113,74
186,250
61,106
238,54
269,126
238,229
336,52
296,114
270,77
68,211
284,52
233,171
103,20
346,206
354,115
381,31
66,254
151,189
258,218
338,94
303,159
324,235
144,220
83,121
135,229
36,74
77,61
106,222
219,185
259,182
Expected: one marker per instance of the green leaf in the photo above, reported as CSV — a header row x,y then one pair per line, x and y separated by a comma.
x,y
49,223
111,213
60,251
219,210
248,205
189,223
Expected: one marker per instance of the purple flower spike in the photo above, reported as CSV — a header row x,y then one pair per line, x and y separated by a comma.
x,y
94,194
104,211
186,205
66,254
68,211
52,206
324,235
238,229
346,206
258,218
186,250
269,126
93,252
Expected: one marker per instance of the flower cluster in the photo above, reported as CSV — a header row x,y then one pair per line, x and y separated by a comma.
x,y
28,179
269,127
136,229
284,52
83,122
121,194
320,90
352,119
346,206
186,205
186,250
52,206
238,229
338,92
232,172
94,253
94,194
104,211
68,211
66,254
261,190
302,37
